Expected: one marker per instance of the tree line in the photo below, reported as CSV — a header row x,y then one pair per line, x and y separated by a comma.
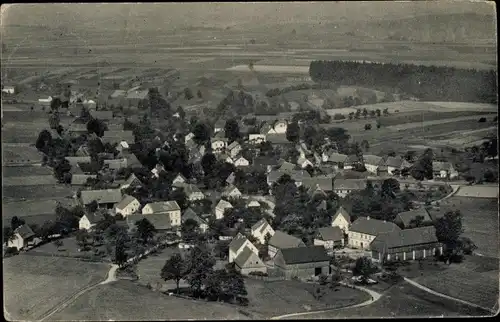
x,y
429,83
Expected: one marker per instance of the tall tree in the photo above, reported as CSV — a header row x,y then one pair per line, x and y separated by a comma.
x,y
201,133
293,132
175,268
145,230
449,228
120,255
200,265
232,130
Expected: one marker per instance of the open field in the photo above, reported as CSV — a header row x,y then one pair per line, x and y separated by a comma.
x,y
37,180
33,211
26,154
46,192
285,297
34,285
480,221
475,280
68,249
402,300
125,300
25,171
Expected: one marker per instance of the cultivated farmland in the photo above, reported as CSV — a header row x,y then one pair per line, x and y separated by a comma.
x,y
33,285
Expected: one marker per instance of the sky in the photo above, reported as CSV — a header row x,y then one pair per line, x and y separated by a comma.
x,y
151,15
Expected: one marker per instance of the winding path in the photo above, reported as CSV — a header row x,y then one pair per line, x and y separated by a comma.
x,y
111,277
375,296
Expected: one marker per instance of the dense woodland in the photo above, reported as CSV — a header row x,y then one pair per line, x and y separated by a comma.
x,y
427,83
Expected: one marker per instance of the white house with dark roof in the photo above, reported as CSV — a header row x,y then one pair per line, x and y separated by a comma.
x,y
304,163
396,164
342,219
132,181
106,198
23,237
234,149
232,192
89,220
280,240
179,178
444,170
190,214
404,219
343,187
169,208
329,237
221,207
261,229
364,230
218,144
238,244
372,162
127,206
192,192
247,261
241,162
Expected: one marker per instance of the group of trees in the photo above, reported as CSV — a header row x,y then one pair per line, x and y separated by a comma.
x,y
197,268
429,83
304,86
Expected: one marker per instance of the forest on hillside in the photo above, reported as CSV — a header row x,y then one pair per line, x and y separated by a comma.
x,y
427,83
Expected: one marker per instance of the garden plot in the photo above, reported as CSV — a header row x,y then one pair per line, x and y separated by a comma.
x,y
35,180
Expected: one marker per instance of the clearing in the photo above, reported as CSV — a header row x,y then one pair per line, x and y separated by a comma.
x,y
33,285
125,300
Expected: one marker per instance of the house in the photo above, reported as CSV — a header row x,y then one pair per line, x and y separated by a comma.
x,y
247,261
280,126
188,137
123,146
116,137
315,184
299,176
342,219
223,157
231,192
343,187
350,162
265,163
231,178
396,164
278,139
179,178
190,214
280,240
252,203
159,222
329,237
133,98
23,237
170,208
102,115
238,244
403,219
337,160
304,163
287,167
80,179
105,198
115,164
159,168
218,144
127,206
45,101
364,230
219,125
444,170
266,129
74,161
241,162
302,262
261,229
132,181
406,244
193,193
372,163
89,220
9,89
221,208
256,138
234,149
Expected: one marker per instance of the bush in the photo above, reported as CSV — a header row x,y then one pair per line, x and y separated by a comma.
x,y
368,126
482,120
10,251
338,116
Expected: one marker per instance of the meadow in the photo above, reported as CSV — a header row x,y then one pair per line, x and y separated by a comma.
x,y
33,285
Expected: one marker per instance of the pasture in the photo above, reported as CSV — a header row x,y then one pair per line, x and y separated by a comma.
x,y
474,280
37,180
33,211
12,154
25,171
33,285
57,191
125,300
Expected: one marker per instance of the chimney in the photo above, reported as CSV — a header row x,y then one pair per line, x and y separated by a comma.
x,y
368,218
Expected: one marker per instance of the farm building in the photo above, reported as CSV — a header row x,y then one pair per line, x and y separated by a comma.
x,y
193,193
261,229
444,170
406,244
342,219
343,187
132,181
322,183
127,206
76,160
231,192
238,244
90,220
221,207
105,198
160,222
278,139
190,214
115,164
248,261
280,240
169,208
372,163
8,89
265,163
302,262
396,164
23,237
329,237
404,219
364,230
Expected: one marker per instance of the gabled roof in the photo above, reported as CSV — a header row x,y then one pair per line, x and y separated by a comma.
x,y
395,162
287,166
233,145
127,200
159,221
325,183
220,135
102,115
301,161
190,189
231,178
265,128
406,216
137,94
163,206
242,259
342,210
274,176
351,159
116,163
118,93
94,217
330,233
278,138
301,255
281,240
190,214
131,179
337,158
223,204
405,237
300,175
441,166
24,231
81,179
101,196
118,136
75,160
259,225
373,227
372,159
230,189
181,177
237,242
349,184
265,161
